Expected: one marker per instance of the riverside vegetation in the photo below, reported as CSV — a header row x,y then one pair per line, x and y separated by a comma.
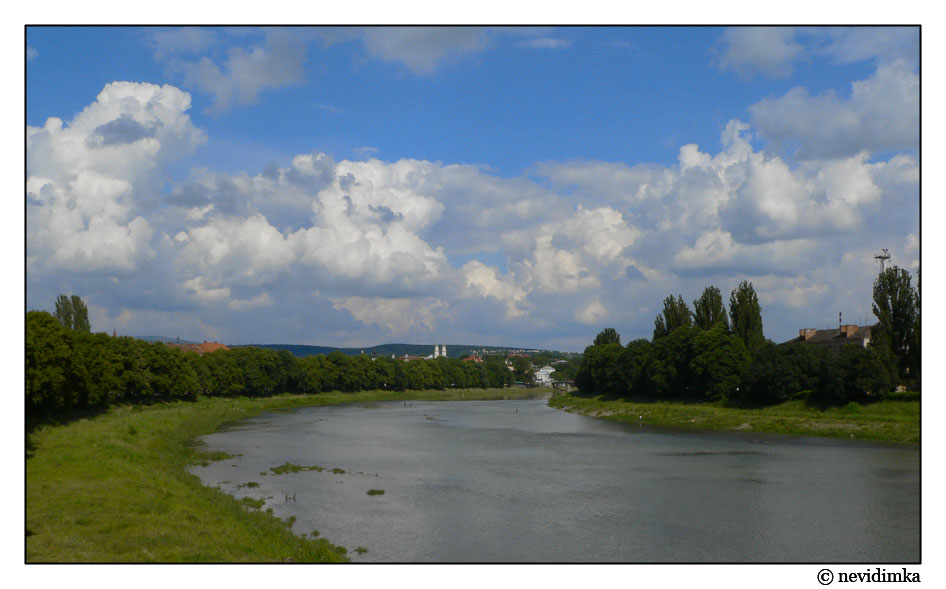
x,y
707,369
114,486
111,421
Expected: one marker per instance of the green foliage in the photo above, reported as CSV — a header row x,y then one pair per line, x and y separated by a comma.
x,y
631,364
376,491
72,313
856,374
778,372
746,316
675,315
67,370
598,371
708,310
897,308
608,335
669,371
719,362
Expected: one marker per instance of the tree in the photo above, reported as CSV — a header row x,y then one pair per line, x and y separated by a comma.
x,y
598,371
896,306
668,371
719,361
631,364
708,310
778,372
746,316
72,313
608,335
675,315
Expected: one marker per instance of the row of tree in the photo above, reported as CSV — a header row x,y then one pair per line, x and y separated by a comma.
x,y
709,354
69,368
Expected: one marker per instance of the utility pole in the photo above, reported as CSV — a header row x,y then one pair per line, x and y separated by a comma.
x,y
883,257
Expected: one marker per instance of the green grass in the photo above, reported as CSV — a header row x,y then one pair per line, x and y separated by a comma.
x,y
884,421
114,487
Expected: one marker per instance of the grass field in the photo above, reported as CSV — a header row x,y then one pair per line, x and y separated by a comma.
x,y
885,421
114,487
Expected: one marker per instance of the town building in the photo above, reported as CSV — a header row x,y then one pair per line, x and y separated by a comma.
x,y
543,376
834,339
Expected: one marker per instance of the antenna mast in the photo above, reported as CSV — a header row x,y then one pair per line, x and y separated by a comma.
x,y
883,257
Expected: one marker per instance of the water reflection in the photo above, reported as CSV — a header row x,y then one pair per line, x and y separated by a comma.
x,y
517,481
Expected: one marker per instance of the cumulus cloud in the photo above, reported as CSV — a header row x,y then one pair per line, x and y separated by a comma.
x,y
770,51
592,314
485,281
882,113
239,79
90,183
398,315
415,247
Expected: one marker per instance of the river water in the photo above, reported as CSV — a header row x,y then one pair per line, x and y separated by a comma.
x,y
518,481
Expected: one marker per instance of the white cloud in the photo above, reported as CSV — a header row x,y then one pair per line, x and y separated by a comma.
x,y
171,42
882,113
422,49
545,43
262,300
247,71
229,251
853,44
767,50
399,315
592,314
485,281
90,182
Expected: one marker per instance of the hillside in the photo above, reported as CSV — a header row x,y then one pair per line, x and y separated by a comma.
x,y
453,351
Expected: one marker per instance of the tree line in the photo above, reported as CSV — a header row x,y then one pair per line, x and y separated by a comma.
x,y
709,354
69,368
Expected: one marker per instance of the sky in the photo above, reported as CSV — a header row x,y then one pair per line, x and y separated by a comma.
x,y
520,186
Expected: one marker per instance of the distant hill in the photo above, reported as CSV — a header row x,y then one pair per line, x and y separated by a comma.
x,y
453,351
385,350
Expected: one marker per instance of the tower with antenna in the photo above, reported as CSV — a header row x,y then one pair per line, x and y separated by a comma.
x,y
883,256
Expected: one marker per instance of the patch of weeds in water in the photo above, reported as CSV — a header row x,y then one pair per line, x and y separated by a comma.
x,y
361,550
291,520
341,550
205,458
376,491
264,473
254,503
250,484
289,467
338,470
315,533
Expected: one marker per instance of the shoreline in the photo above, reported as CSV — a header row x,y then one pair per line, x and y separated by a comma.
x,y
115,487
884,421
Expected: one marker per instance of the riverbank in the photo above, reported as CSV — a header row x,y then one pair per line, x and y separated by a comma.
x,y
885,421
114,487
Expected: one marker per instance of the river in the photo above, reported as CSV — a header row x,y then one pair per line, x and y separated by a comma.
x,y
518,481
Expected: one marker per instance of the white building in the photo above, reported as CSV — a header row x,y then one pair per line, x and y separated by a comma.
x,y
543,376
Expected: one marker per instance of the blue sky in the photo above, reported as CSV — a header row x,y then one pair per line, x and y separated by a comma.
x,y
509,186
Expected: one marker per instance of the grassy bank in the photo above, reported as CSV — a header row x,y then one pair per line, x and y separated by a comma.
x,y
885,421
114,487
